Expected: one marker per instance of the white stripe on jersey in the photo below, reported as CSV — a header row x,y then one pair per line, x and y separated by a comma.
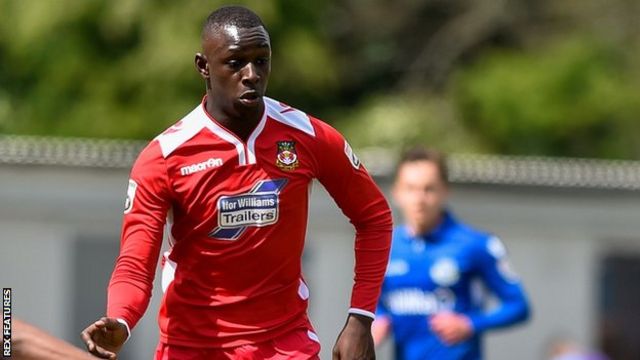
x,y
198,119
168,271
289,116
227,136
251,143
182,131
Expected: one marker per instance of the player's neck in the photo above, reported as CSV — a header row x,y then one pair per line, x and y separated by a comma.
x,y
241,123
425,227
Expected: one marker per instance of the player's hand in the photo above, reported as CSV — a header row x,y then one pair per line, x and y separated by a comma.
x,y
380,329
355,341
451,328
105,337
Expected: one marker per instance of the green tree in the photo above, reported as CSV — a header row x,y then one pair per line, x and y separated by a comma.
x,y
574,97
124,68
379,70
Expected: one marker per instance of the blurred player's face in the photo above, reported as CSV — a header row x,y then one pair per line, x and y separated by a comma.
x,y
421,194
235,63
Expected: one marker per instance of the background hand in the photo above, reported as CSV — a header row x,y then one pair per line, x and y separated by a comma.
x,y
105,337
451,328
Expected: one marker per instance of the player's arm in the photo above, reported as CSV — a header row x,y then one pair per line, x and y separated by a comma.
x,y
148,200
360,199
32,343
494,269
499,277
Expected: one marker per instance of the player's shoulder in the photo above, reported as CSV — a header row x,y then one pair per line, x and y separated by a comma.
x,y
298,119
467,232
481,241
181,131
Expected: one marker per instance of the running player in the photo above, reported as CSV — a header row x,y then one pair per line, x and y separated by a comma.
x,y
429,299
232,180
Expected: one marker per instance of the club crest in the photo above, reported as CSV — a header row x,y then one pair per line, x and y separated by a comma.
x,y
445,272
287,158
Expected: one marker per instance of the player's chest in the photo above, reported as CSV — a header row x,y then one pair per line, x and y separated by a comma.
x,y
218,177
429,266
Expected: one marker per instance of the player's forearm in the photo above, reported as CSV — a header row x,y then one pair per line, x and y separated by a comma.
x,y
127,302
42,350
373,241
31,343
128,296
132,280
509,313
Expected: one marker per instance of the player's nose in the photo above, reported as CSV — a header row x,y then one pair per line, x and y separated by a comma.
x,y
250,75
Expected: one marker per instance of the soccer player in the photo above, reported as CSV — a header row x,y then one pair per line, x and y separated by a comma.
x,y
232,180
430,300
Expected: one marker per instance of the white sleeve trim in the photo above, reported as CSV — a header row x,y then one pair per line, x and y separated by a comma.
x,y
124,322
362,312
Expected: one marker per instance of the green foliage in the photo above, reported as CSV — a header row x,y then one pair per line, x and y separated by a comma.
x,y
401,120
574,97
124,68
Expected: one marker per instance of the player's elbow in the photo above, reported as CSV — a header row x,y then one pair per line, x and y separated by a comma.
x,y
523,311
378,218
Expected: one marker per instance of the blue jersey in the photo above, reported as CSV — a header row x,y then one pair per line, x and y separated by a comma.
x,y
447,270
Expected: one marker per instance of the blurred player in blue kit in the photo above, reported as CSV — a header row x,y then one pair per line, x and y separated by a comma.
x,y
434,293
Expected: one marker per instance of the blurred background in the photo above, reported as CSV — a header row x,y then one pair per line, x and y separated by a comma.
x,y
537,101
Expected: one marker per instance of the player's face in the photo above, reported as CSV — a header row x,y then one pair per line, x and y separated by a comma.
x,y
420,193
236,64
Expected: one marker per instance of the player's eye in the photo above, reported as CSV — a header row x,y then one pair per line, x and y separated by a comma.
x,y
262,61
234,64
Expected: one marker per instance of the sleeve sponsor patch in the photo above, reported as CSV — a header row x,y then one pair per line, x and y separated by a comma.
x,y
497,249
131,195
353,159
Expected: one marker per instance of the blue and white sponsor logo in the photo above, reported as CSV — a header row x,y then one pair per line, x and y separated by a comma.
x,y
259,207
415,301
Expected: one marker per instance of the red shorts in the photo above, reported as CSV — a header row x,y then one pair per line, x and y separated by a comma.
x,y
299,344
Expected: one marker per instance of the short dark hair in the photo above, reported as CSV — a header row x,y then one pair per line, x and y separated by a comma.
x,y
235,15
421,153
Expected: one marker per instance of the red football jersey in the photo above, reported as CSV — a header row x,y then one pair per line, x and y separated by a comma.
x,y
236,215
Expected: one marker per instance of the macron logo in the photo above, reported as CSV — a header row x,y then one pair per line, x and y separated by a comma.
x,y
205,165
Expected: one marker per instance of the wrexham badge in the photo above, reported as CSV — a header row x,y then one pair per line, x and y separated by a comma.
x,y
287,158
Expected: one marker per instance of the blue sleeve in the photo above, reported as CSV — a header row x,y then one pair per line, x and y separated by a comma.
x,y
495,271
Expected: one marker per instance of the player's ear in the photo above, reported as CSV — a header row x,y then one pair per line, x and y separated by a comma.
x,y
202,65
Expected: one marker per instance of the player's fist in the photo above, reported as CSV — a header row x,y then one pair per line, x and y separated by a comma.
x,y
451,328
355,341
105,337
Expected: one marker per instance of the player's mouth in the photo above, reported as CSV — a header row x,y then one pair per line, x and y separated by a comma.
x,y
250,98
